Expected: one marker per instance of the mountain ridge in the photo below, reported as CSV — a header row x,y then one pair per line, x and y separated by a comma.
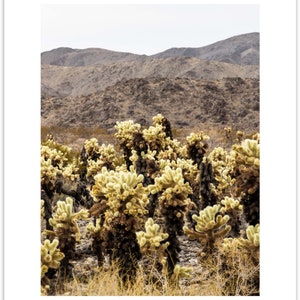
x,y
240,49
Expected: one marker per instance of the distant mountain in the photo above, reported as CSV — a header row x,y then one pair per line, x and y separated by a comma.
x,y
75,81
207,87
86,57
241,49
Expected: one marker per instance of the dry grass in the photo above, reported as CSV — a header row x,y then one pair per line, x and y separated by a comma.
x,y
75,137
236,279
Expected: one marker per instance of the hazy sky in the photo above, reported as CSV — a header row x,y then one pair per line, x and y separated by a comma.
x,y
143,28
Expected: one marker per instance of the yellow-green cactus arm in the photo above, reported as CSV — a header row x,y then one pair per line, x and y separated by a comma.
x,y
248,152
153,237
193,235
91,146
209,227
125,131
65,220
50,255
42,209
230,204
223,165
181,272
253,240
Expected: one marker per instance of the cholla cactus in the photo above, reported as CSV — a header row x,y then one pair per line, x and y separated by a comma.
x,y
210,227
174,191
222,165
64,221
228,131
57,166
155,137
124,192
197,146
42,209
153,239
153,246
66,229
159,119
173,200
239,135
234,209
126,132
180,272
107,157
50,259
92,148
252,243
247,160
126,199
230,204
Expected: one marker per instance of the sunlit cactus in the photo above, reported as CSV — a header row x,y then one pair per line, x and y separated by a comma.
x,y
65,228
125,131
233,208
152,239
210,228
222,165
172,191
197,146
107,157
126,200
50,259
180,272
252,242
123,190
246,172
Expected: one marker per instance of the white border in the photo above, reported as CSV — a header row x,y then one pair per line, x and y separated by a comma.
x,y
21,146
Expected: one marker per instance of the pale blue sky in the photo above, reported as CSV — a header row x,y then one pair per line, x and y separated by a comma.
x,y
143,28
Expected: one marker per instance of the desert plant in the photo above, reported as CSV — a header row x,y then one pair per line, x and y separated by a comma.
x,y
126,131
153,247
206,180
50,262
246,172
173,200
234,210
66,230
237,255
197,146
210,228
126,200
222,169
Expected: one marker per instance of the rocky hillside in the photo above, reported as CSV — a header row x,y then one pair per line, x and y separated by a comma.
x,y
77,81
192,87
187,103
